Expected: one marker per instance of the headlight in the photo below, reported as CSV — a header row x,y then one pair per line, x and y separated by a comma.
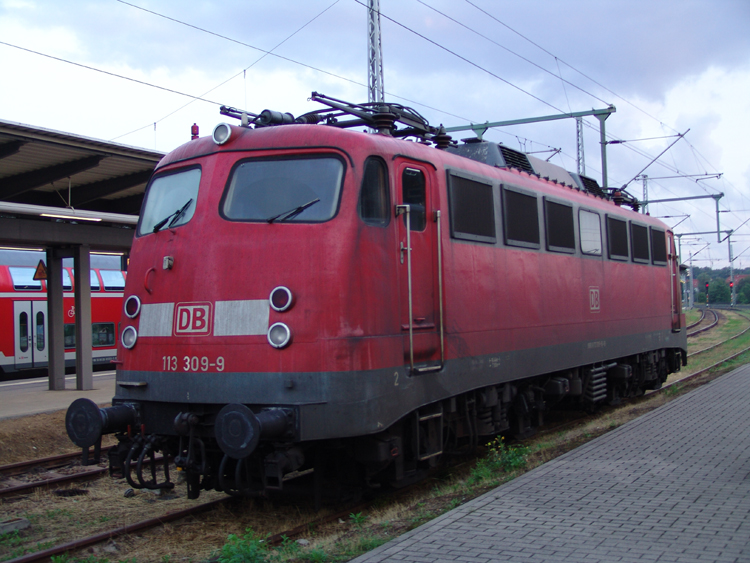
x,y
281,299
132,307
129,337
222,133
279,335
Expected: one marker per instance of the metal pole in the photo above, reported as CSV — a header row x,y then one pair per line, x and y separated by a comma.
x,y
603,142
375,53
731,271
690,278
718,227
579,145
645,193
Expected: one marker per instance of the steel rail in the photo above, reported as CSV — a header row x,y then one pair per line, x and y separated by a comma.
x,y
31,485
14,468
706,328
699,321
47,554
723,341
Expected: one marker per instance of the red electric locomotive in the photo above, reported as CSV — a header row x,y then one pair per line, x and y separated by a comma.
x,y
23,308
302,295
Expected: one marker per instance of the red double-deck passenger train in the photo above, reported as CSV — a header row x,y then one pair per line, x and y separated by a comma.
x,y
304,295
23,310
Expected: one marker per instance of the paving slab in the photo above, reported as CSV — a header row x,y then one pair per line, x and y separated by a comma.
x,y
32,396
672,485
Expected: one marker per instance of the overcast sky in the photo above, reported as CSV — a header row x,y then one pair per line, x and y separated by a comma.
x,y
667,66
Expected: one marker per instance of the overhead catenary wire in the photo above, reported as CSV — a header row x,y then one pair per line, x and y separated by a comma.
x,y
264,55
472,30
466,60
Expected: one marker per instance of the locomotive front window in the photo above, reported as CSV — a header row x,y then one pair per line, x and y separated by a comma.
x,y
300,190
170,200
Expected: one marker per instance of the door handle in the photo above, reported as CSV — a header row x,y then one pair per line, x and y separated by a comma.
x,y
403,249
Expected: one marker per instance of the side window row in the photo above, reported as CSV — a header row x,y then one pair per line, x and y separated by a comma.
x,y
472,218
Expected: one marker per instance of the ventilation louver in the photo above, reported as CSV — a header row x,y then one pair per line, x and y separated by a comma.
x,y
515,159
591,186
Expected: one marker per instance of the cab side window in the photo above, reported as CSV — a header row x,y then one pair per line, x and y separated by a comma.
x,y
374,205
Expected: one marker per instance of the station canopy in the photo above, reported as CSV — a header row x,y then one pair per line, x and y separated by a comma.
x,y
59,189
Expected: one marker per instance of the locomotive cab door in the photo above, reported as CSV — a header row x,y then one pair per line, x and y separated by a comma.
x,y
419,256
678,320
30,334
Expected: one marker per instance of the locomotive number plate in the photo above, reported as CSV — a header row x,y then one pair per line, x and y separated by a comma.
x,y
191,363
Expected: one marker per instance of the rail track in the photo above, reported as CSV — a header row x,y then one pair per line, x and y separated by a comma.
x,y
26,476
699,321
67,461
708,327
272,540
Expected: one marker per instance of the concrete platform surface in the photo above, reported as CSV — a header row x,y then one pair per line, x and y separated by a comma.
x,y
32,396
672,485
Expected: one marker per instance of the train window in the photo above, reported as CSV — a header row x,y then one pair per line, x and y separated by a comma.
x,y
560,229
590,231
658,247
472,209
103,334
284,190
93,280
166,196
113,280
617,236
67,283
374,205
23,331
521,219
639,243
414,190
69,336
40,331
23,279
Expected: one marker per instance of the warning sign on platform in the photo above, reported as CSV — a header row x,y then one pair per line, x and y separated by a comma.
x,y
41,272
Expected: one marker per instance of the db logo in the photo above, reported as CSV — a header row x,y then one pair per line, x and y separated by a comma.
x,y
192,319
594,304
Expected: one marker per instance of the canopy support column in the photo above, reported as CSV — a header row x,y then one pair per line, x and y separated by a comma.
x,y
82,267
55,321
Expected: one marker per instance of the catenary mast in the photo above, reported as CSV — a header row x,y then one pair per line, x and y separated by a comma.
x,y
375,53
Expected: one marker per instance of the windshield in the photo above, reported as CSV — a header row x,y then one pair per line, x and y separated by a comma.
x,y
166,196
289,190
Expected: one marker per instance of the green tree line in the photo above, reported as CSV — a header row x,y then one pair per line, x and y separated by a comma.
x,y
718,289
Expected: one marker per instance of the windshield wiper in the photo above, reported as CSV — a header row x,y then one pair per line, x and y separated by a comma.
x,y
174,216
291,214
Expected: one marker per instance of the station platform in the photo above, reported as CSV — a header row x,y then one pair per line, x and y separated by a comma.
x,y
32,396
672,485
